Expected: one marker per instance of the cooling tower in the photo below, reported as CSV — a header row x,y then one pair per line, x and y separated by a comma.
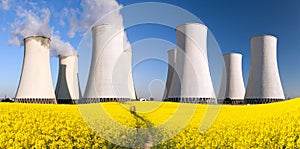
x,y
127,73
131,82
108,68
264,83
171,65
35,84
67,88
232,89
174,91
192,65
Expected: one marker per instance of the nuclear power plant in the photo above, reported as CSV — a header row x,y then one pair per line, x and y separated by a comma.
x,y
264,85
109,77
191,66
188,79
35,84
67,87
232,90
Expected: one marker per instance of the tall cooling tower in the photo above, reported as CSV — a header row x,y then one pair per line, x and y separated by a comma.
x,y
107,72
232,89
264,83
171,65
192,64
128,73
35,84
174,89
67,88
122,76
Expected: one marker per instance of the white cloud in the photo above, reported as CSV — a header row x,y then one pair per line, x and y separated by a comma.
x,y
35,22
3,29
29,23
5,4
100,11
59,47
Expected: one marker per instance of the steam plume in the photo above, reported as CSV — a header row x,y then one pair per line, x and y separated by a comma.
x,y
29,23
59,47
107,11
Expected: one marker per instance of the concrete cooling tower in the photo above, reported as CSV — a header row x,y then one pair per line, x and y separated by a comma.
x,y
122,76
232,89
128,62
174,87
264,85
192,65
108,77
171,65
35,84
67,88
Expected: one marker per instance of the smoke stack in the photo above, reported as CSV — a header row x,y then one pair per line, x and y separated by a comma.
x,y
35,84
171,69
108,79
264,83
67,88
232,89
192,64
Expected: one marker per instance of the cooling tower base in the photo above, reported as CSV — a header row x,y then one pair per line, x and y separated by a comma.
x,y
262,100
193,100
67,101
231,101
97,100
36,100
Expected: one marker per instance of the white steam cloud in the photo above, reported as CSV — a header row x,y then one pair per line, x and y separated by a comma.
x,y
59,47
30,23
5,4
35,22
100,11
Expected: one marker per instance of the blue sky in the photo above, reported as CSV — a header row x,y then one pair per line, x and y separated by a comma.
x,y
232,23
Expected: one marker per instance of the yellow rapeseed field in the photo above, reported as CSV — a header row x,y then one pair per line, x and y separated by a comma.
x,y
170,125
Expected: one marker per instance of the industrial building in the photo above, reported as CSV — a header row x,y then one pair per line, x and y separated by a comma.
x,y
110,77
264,85
194,84
174,88
232,90
67,87
171,66
35,84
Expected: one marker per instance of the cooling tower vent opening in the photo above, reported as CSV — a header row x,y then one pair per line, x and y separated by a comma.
x,y
194,100
262,100
36,100
191,23
263,35
36,36
43,39
97,100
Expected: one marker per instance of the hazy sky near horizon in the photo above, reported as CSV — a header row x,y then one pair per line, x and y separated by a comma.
x,y
232,23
